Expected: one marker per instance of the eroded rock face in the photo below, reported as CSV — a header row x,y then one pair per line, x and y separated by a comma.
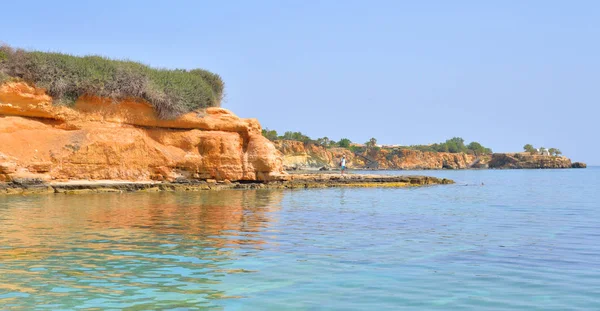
x,y
527,161
298,154
99,139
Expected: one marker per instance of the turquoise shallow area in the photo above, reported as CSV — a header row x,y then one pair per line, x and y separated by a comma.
x,y
524,240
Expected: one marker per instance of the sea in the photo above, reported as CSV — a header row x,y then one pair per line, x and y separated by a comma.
x,y
495,240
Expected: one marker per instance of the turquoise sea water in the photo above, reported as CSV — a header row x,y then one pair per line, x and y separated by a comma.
x,y
524,240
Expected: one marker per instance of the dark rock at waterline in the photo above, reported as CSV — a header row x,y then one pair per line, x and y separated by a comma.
x,y
27,181
579,165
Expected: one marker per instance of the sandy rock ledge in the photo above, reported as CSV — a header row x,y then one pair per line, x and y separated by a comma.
x,y
304,181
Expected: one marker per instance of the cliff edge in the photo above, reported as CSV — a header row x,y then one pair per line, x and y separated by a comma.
x,y
296,154
100,139
299,155
524,160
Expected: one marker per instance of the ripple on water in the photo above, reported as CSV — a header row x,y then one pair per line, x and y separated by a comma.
x,y
524,241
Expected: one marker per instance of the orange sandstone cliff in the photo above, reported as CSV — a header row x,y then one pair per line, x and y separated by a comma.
x,y
299,155
101,139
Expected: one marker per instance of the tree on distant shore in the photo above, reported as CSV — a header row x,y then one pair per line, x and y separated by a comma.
x,y
456,144
529,148
478,149
344,143
270,134
296,136
371,143
554,152
324,141
453,145
542,150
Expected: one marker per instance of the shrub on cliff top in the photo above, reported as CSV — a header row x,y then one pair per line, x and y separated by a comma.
x,y
66,78
454,145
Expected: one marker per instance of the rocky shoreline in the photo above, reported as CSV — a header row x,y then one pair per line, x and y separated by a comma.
x,y
297,181
100,139
100,145
298,156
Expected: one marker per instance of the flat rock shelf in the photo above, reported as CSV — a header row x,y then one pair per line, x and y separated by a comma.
x,y
296,181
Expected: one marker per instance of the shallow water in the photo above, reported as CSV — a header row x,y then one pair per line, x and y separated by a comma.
x,y
525,240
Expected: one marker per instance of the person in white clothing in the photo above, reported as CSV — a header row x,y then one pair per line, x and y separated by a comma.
x,y
343,164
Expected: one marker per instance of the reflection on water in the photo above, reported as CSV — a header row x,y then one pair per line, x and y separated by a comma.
x,y
527,240
114,251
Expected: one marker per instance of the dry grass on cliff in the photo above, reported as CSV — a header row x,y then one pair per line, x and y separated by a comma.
x,y
66,78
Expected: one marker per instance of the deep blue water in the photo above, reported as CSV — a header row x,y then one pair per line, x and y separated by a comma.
x,y
524,240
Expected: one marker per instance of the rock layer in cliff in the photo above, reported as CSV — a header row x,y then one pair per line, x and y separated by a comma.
x,y
298,154
525,160
101,139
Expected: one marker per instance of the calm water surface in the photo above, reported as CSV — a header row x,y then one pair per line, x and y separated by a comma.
x,y
525,240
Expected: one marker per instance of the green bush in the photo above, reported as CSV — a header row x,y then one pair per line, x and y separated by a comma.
x,y
66,78
529,148
454,145
356,149
289,135
477,149
344,143
270,134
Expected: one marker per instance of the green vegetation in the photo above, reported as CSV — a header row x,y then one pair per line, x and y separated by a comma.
x,y
270,134
344,143
324,141
371,143
66,78
453,145
529,148
298,136
551,151
554,152
477,148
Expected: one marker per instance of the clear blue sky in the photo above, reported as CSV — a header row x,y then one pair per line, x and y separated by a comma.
x,y
504,73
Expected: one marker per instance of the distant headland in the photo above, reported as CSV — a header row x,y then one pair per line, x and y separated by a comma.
x,y
300,152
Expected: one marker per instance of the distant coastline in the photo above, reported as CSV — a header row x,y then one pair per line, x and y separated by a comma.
x,y
298,155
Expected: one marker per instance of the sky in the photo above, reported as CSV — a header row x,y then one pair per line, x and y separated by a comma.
x,y
502,73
